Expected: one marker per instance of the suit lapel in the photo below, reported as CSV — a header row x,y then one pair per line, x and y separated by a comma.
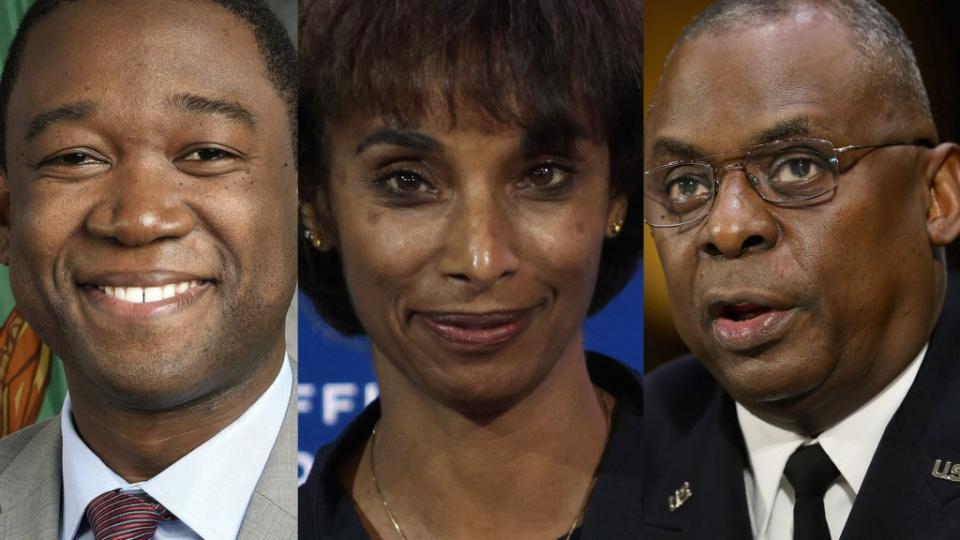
x,y
710,461
272,512
904,494
30,485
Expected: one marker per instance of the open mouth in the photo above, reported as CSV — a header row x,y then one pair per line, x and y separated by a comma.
x,y
476,331
148,294
143,296
742,326
742,312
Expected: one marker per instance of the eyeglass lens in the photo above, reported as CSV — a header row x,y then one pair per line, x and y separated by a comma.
x,y
785,172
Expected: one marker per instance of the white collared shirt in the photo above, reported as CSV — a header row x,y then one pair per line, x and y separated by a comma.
x,y
850,444
208,489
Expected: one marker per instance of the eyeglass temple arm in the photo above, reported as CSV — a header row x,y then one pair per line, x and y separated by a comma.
x,y
919,142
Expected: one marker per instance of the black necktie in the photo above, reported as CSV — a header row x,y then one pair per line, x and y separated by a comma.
x,y
810,472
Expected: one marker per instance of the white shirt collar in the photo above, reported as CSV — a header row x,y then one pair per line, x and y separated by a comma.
x,y
850,443
208,489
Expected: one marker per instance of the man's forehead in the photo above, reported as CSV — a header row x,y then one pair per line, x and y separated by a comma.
x,y
139,14
723,90
88,52
99,24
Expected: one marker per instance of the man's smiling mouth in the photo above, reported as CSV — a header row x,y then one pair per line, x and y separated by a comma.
x,y
146,295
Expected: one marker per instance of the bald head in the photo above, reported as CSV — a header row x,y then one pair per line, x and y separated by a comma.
x,y
885,60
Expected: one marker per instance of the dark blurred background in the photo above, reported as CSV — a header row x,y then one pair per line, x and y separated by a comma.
x,y
287,11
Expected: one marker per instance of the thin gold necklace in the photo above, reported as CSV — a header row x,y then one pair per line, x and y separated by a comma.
x,y
573,526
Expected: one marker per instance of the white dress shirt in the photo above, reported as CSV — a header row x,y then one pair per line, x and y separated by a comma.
x,y
208,489
850,444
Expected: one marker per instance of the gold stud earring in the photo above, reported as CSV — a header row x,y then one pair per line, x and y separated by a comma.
x,y
617,227
314,240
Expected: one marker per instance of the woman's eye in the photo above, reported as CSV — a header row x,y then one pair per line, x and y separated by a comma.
x,y
547,177
407,184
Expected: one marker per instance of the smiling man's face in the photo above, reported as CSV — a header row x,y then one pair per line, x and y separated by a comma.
x,y
802,313
152,201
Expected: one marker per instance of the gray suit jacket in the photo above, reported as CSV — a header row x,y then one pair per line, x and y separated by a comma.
x,y
30,484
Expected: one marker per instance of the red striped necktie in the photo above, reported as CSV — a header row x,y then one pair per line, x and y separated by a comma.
x,y
116,515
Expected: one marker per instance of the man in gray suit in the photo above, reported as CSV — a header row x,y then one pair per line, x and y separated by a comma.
x,y
148,217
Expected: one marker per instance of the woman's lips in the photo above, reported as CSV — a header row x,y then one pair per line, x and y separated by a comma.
x,y
476,331
745,326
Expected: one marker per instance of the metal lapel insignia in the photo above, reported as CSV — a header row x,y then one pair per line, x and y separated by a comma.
x,y
949,471
679,497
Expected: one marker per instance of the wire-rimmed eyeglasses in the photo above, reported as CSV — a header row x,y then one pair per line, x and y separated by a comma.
x,y
795,172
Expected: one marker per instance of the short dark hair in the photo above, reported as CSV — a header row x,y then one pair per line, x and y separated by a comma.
x,y
279,55
875,32
525,63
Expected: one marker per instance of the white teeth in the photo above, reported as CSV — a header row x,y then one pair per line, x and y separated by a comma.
x,y
169,290
152,294
142,295
135,295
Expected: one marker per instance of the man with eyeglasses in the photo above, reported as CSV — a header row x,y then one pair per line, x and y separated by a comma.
x,y
800,203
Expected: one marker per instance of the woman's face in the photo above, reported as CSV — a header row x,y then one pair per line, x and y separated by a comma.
x,y
470,250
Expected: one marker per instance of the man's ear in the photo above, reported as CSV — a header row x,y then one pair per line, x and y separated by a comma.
x,y
943,214
4,220
315,217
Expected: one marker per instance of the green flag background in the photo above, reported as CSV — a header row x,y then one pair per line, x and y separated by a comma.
x,y
11,11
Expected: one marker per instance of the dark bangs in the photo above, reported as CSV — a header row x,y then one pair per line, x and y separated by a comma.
x,y
541,65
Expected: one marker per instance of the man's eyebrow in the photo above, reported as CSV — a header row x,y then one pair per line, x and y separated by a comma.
x,y
674,149
786,129
71,111
204,105
398,137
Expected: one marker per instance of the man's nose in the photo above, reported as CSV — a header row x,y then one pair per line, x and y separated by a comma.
x,y
142,203
479,246
739,221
